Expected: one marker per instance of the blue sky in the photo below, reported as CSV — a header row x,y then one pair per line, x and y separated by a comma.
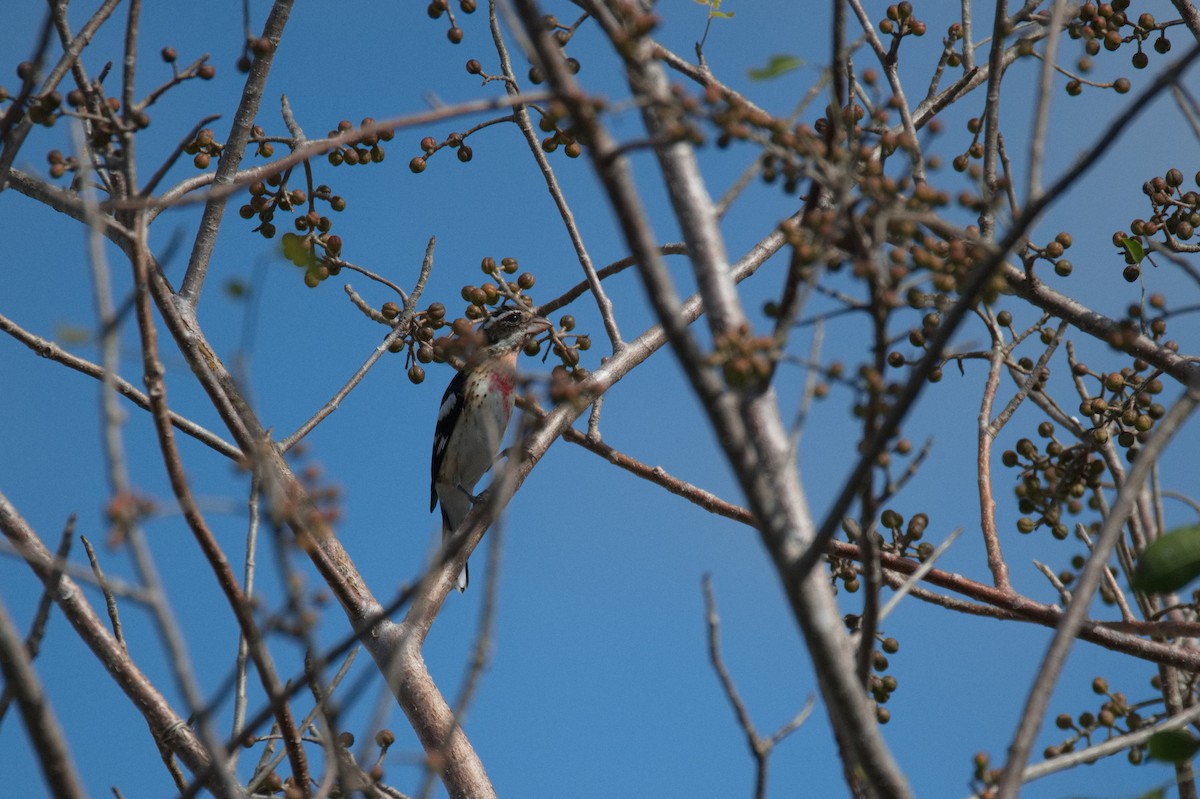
x,y
600,683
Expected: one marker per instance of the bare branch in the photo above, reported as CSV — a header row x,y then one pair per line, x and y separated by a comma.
x,y
232,152
399,330
37,630
164,723
748,427
48,349
760,747
521,114
110,601
45,734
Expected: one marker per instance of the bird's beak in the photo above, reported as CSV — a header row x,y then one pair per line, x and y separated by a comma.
x,y
539,324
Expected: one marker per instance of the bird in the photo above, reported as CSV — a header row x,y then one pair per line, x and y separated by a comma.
x,y
474,414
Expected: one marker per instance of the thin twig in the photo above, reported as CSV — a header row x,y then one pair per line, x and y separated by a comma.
x,y
164,722
110,601
760,747
1041,119
180,487
243,651
918,574
397,334
1114,745
1064,593
48,349
521,115
573,293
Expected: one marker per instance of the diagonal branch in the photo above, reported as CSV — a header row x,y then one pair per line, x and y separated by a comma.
x,y
748,425
37,630
166,725
45,734
521,114
1085,588
231,154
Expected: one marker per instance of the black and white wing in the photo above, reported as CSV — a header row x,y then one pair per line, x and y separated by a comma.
x,y
447,420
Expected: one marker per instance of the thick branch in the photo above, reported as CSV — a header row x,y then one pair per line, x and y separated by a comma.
x,y
748,426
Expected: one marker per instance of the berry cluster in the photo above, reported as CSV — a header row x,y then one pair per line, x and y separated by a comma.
x,y
1123,404
104,118
745,360
560,134
437,8
1174,215
881,685
423,344
203,148
1108,26
1052,480
1116,716
904,537
562,35
900,22
1051,253
254,47
326,496
1057,477
430,145
272,196
364,149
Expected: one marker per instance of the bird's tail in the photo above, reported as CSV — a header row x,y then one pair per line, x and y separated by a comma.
x,y
447,530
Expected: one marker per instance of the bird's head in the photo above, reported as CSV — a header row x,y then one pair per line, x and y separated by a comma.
x,y
506,329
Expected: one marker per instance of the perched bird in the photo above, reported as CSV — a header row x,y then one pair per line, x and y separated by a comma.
x,y
474,415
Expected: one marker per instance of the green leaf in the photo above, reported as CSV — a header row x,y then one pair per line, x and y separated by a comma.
x,y
776,66
1134,248
714,9
1172,746
1169,563
71,335
294,250
1155,793
236,289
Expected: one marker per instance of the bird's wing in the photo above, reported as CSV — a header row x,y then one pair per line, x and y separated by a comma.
x,y
447,418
